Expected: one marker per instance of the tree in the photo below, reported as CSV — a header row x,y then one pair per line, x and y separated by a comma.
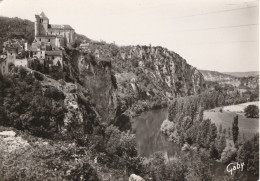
x,y
235,129
213,151
252,111
212,132
220,129
193,112
249,154
229,132
224,132
221,144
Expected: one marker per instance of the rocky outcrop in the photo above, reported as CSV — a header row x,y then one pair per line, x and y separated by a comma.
x,y
146,77
95,84
170,73
134,177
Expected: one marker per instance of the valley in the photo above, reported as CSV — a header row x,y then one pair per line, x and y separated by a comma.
x,y
72,108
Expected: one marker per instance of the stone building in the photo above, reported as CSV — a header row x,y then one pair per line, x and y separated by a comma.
x,y
54,58
57,35
50,40
46,48
10,58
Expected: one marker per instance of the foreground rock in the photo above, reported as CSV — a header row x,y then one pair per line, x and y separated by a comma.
x,y
10,143
134,177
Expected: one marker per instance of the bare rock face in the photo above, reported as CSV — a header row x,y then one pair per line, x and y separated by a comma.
x,y
170,73
146,77
11,143
95,84
134,177
116,83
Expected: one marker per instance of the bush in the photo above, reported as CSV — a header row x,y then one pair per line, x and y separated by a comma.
x,y
252,111
167,127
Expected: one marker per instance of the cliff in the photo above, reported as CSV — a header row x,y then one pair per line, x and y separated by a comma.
x,y
94,82
147,77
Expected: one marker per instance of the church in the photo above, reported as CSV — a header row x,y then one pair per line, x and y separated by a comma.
x,y
50,40
54,35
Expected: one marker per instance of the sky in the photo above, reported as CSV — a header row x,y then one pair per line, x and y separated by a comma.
x,y
219,35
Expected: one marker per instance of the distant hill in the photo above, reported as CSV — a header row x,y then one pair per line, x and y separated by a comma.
x,y
223,78
243,74
212,75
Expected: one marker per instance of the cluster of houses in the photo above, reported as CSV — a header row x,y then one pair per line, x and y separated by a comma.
x,y
46,48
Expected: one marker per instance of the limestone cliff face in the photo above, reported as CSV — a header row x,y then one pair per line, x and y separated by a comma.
x,y
170,73
95,87
147,77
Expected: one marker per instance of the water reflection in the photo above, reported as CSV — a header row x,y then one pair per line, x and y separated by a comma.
x,y
148,136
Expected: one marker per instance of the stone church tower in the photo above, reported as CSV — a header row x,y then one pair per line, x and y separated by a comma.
x,y
41,25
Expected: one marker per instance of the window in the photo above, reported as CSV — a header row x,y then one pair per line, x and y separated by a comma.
x,y
52,57
49,40
40,39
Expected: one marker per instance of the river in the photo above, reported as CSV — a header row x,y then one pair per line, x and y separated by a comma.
x,y
149,137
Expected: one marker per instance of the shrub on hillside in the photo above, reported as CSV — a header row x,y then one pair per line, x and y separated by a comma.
x,y
24,105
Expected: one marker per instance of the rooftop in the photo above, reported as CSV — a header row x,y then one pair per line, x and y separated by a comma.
x,y
43,16
61,27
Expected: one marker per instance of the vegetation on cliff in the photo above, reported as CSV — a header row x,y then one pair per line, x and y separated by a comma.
x,y
26,106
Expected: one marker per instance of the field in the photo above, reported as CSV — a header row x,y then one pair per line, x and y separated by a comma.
x,y
239,107
247,126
